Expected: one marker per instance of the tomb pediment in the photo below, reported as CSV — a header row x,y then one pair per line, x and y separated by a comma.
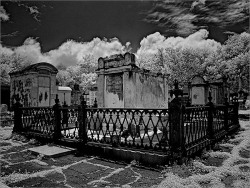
x,y
115,61
41,68
198,80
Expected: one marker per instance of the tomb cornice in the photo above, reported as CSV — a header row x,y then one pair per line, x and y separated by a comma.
x,y
115,70
149,73
23,74
130,68
38,67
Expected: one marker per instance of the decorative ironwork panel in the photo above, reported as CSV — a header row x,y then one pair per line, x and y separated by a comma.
x,y
218,119
195,125
38,119
231,115
69,122
138,128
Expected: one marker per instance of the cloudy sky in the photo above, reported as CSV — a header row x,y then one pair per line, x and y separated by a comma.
x,y
65,31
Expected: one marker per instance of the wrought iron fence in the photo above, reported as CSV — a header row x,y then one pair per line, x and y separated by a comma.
x,y
69,122
218,119
232,116
195,125
38,119
139,128
188,129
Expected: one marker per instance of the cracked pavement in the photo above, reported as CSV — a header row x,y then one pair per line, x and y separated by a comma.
x,y
20,168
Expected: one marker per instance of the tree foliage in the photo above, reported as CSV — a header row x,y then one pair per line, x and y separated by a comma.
x,y
231,60
11,62
82,74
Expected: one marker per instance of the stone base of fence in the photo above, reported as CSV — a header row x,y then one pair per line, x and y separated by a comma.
x,y
151,159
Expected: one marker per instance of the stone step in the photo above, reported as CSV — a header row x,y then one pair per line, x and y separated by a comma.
x,y
52,151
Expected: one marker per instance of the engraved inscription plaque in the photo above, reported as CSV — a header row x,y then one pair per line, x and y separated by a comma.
x,y
115,84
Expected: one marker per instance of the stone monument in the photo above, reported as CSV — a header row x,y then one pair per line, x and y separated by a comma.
x,y
199,89
35,85
121,84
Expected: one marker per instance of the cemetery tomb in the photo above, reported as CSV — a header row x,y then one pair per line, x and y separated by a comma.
x,y
121,84
199,89
35,85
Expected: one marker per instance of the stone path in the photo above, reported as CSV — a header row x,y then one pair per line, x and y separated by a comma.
x,y
20,168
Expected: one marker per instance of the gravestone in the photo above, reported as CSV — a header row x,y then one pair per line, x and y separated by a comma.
x,y
75,95
5,116
3,108
199,88
121,84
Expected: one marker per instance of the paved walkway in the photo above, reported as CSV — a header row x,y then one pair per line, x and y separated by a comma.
x,y
20,168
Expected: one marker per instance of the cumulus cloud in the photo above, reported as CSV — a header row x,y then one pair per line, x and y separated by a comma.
x,y
69,53
3,14
75,51
31,49
155,41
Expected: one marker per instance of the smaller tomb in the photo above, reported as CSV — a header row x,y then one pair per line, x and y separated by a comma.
x,y
199,90
121,84
35,85
64,95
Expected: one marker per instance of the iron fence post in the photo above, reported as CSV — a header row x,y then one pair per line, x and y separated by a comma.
x,y
177,142
65,114
95,104
17,116
226,113
188,104
236,110
57,113
210,128
82,121
80,127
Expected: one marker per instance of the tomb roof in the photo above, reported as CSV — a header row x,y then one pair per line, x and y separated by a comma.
x,y
126,60
64,88
36,68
